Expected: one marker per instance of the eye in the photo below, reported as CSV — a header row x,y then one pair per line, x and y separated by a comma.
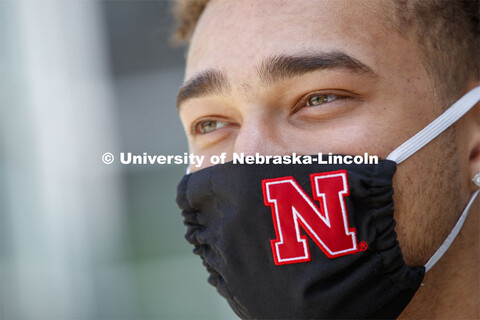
x,y
318,99
207,126
321,101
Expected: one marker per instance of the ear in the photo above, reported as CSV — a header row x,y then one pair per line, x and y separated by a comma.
x,y
474,140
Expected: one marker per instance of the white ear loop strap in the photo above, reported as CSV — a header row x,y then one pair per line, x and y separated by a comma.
x,y
445,120
453,234
427,134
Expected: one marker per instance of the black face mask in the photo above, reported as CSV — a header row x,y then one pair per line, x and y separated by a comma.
x,y
307,241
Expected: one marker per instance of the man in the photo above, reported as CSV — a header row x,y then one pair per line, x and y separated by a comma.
x,y
349,77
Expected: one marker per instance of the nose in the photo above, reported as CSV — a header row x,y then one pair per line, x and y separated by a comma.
x,y
260,132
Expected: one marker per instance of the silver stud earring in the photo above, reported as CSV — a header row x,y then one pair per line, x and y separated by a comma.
x,y
476,179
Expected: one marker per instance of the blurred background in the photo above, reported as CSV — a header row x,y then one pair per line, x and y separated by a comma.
x,y
80,239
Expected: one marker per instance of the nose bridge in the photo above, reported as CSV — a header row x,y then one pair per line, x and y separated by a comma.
x,y
259,132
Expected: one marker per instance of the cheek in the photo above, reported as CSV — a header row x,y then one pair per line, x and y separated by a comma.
x,y
427,199
355,134
225,147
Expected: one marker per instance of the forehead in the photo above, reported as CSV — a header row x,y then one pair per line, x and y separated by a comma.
x,y
233,35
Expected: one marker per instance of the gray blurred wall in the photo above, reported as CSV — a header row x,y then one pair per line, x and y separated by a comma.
x,y
79,238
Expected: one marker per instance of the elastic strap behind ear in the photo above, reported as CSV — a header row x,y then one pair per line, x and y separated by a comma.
x,y
445,120
453,234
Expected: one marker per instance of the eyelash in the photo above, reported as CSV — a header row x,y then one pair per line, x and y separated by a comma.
x,y
196,130
304,102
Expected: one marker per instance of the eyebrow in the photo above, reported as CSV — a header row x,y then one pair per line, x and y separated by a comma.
x,y
273,70
208,82
282,67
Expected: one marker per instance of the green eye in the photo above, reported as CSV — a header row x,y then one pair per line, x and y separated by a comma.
x,y
319,99
207,126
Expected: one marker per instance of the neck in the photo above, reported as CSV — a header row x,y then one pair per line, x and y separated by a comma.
x,y
452,287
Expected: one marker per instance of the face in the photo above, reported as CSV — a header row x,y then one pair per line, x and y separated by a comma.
x,y
277,77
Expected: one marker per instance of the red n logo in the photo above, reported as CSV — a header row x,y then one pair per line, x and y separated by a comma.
x,y
327,226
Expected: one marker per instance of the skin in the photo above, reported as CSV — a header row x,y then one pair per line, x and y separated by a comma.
x,y
373,114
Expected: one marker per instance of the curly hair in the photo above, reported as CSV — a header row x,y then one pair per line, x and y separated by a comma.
x,y
448,33
187,13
